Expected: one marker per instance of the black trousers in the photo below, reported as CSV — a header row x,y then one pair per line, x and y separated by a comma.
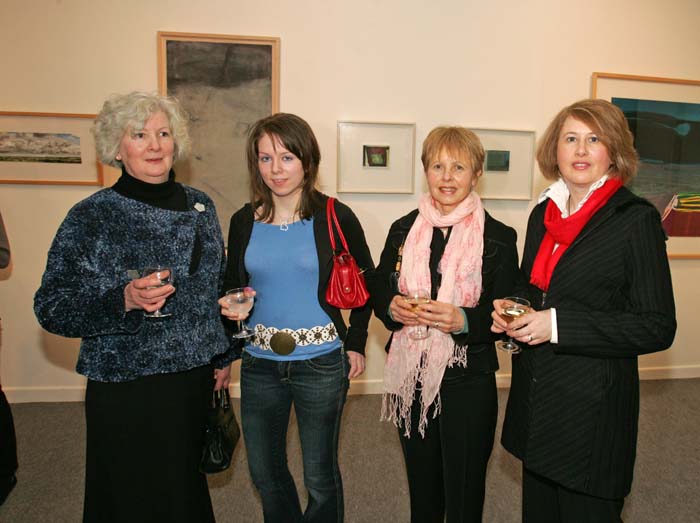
x,y
144,443
8,442
447,469
545,501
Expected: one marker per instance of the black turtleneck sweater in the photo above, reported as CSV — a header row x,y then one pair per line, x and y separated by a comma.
x,y
167,195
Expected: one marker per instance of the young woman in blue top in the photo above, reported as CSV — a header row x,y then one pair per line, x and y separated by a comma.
x,y
279,245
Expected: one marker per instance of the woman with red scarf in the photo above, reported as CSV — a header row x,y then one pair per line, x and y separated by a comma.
x,y
601,295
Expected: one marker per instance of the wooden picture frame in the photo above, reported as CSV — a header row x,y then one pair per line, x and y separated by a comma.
x,y
225,83
659,111
376,157
510,156
38,148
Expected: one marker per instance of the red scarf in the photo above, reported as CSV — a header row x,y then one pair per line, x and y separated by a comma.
x,y
563,231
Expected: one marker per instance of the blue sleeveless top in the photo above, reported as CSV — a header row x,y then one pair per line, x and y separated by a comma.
x,y
283,268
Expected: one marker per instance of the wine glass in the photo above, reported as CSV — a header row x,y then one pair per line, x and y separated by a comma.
x,y
416,297
240,300
165,279
513,308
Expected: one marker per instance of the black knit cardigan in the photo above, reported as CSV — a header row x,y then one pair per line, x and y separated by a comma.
x,y
102,240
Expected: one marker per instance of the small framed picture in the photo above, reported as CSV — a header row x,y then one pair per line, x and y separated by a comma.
x,y
497,160
375,157
510,157
48,149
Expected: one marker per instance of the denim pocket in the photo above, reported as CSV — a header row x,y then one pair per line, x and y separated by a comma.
x,y
327,363
247,361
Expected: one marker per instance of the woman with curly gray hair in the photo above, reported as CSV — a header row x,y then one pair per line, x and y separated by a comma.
x,y
149,379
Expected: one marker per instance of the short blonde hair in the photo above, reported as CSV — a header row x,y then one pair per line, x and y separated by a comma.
x,y
608,122
122,112
457,141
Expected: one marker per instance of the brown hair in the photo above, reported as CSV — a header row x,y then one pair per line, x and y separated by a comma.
x,y
458,141
298,138
608,122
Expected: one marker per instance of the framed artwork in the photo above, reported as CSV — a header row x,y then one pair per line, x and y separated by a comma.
x,y
508,165
664,116
376,157
48,149
225,83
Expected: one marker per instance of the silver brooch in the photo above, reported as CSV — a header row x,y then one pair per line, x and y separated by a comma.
x,y
199,207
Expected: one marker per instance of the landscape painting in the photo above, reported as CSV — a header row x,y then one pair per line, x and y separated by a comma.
x,y
667,139
225,83
39,147
48,149
664,115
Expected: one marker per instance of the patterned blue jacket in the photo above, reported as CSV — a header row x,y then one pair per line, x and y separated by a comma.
x,y
102,239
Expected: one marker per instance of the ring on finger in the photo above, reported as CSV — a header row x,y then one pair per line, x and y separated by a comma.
x,y
529,338
436,324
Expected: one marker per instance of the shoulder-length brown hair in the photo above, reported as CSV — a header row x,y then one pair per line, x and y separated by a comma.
x,y
298,138
608,122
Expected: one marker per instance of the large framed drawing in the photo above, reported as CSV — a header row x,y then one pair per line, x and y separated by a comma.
x,y
225,83
48,149
664,116
508,165
375,157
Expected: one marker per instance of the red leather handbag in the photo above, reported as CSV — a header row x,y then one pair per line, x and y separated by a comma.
x,y
346,288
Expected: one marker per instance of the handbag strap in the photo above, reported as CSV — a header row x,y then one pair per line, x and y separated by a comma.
x,y
332,218
221,398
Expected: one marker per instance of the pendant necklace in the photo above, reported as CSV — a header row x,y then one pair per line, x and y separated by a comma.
x,y
284,226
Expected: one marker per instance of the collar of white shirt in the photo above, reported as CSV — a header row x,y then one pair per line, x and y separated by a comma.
x,y
558,192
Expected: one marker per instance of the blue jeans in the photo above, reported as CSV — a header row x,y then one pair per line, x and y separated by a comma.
x,y
318,388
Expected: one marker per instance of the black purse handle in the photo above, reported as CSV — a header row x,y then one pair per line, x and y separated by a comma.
x,y
220,398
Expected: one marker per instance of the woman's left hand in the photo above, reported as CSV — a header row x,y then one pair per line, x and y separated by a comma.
x,y
222,377
442,316
357,364
532,328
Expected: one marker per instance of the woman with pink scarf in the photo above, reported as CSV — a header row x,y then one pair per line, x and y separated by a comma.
x,y
440,390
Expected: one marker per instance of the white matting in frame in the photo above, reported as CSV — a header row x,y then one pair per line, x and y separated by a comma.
x,y
375,157
508,164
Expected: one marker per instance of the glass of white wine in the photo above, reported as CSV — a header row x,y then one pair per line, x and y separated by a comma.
x,y
417,297
513,307
240,300
165,275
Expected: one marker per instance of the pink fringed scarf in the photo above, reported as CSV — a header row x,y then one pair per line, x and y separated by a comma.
x,y
421,363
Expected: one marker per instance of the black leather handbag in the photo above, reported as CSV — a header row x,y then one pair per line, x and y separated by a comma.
x,y
221,435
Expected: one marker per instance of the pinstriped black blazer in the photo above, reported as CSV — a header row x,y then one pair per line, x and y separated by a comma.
x,y
573,407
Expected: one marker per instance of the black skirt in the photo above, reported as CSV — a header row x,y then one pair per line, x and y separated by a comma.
x,y
144,441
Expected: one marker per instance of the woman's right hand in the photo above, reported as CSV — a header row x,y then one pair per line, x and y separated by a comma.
x,y
402,312
146,293
499,325
235,315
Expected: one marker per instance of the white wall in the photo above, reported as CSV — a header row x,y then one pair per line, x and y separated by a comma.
x,y
502,64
